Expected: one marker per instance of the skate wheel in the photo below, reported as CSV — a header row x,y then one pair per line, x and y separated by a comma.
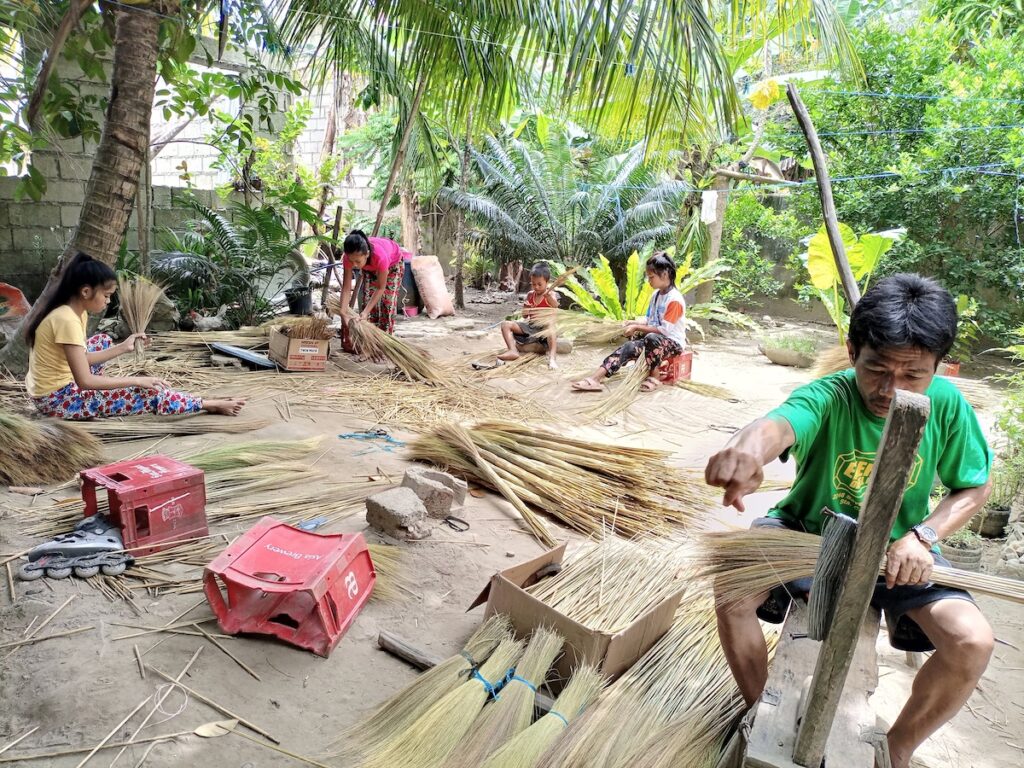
x,y
58,573
27,573
86,571
113,570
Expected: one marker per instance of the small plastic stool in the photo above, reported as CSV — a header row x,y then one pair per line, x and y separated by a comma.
x,y
302,587
156,501
676,368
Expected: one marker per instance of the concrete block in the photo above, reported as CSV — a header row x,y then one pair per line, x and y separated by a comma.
x,y
436,497
46,164
31,214
69,215
75,168
71,146
458,487
5,219
65,191
398,512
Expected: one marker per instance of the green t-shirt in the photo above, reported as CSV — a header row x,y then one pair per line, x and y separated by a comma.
x,y
837,438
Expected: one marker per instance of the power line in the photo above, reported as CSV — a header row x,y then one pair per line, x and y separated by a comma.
x,y
898,131
916,96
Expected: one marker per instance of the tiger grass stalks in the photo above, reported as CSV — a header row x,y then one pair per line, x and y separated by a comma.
x,y
524,749
138,298
585,330
431,738
145,427
587,485
706,390
622,395
747,563
375,344
40,452
512,712
311,327
400,711
251,453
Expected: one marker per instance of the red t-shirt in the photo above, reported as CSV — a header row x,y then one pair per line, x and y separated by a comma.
x,y
384,254
545,300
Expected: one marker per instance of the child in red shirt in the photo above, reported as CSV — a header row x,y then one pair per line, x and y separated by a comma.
x,y
518,333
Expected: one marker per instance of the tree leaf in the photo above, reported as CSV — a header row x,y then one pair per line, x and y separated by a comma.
x,y
821,264
216,728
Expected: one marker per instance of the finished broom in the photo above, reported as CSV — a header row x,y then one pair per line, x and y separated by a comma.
x,y
525,749
429,741
399,712
40,452
138,298
512,712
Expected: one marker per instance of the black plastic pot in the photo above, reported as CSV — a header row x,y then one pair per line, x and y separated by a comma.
x,y
300,301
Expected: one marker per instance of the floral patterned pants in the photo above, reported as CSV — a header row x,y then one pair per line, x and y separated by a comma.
x,y
655,347
383,315
72,403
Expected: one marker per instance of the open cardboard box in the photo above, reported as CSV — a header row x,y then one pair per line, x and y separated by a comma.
x,y
611,653
298,354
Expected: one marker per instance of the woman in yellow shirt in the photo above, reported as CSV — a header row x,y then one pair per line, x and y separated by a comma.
x,y
65,370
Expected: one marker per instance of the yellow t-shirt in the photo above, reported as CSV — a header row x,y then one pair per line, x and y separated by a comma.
x,y
48,368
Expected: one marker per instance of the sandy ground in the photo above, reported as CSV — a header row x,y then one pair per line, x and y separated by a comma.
x,y
77,689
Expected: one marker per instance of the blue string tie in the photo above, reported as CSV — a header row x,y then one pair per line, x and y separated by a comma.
x,y
525,682
492,690
560,716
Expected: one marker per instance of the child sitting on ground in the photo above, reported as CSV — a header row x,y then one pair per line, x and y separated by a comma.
x,y
538,324
663,335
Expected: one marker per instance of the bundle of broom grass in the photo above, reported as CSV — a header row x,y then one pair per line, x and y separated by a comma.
x,y
512,712
375,344
400,711
585,330
588,486
138,298
611,584
310,327
747,563
250,453
34,452
431,738
622,395
524,750
143,427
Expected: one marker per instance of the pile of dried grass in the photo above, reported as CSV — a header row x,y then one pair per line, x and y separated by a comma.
x,y
622,395
148,427
34,452
585,330
432,737
588,486
250,453
525,749
375,344
706,390
311,327
138,298
512,712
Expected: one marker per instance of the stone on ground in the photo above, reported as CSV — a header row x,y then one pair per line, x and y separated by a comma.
x,y
398,512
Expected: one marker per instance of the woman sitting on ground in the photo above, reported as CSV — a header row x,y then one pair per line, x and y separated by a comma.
x,y
660,338
382,260
65,370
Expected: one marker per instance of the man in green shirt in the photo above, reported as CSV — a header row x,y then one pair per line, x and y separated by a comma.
x,y
899,332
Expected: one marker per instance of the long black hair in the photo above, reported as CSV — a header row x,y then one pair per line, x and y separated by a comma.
x,y
81,272
661,263
356,241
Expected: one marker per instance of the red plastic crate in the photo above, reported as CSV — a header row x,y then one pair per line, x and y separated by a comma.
x,y
676,368
156,501
304,588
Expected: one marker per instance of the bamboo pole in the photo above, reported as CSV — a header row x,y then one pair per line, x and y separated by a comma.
x,y
227,653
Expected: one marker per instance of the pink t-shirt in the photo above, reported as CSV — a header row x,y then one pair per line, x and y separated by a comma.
x,y
384,254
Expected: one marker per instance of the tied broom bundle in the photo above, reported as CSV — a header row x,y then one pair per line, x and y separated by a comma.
x,y
747,563
138,298
399,712
512,711
429,741
525,749
706,390
375,344
42,452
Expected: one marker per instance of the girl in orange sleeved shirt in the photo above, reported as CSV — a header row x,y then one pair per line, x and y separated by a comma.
x,y
660,337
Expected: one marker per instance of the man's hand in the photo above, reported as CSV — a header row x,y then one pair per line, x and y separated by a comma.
x,y
736,470
908,561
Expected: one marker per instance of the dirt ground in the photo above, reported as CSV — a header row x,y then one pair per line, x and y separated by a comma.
x,y
77,689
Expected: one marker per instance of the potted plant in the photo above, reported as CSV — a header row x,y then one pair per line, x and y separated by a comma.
x,y
963,549
794,351
992,520
966,336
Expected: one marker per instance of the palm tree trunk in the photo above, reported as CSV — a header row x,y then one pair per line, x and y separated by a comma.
x,y
460,232
720,185
399,159
114,179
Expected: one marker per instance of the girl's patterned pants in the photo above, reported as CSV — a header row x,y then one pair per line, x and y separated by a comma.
x,y
73,403
655,347
383,315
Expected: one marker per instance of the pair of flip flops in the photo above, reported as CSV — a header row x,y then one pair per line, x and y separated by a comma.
x,y
587,385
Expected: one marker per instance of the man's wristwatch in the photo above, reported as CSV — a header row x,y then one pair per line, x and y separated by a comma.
x,y
926,535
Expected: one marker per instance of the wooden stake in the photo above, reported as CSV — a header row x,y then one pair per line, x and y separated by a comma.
x,y
10,582
227,653
162,629
19,739
138,659
210,702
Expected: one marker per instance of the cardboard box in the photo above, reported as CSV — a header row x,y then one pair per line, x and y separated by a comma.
x,y
611,653
298,354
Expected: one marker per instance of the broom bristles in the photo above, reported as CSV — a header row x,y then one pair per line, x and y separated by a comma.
x,y
831,360
250,453
513,711
42,452
428,741
525,749
138,297
401,710
372,342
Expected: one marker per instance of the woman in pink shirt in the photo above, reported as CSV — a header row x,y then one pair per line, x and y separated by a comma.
x,y
382,262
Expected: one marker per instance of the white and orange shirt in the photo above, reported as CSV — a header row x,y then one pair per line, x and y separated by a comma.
x,y
667,313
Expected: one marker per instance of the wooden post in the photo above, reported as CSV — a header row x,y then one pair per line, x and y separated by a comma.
x,y
894,462
332,268
720,186
828,206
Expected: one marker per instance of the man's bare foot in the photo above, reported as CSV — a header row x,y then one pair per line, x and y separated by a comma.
x,y
229,406
650,384
508,356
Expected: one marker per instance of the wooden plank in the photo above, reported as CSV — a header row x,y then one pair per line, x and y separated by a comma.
x,y
828,205
894,462
773,734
